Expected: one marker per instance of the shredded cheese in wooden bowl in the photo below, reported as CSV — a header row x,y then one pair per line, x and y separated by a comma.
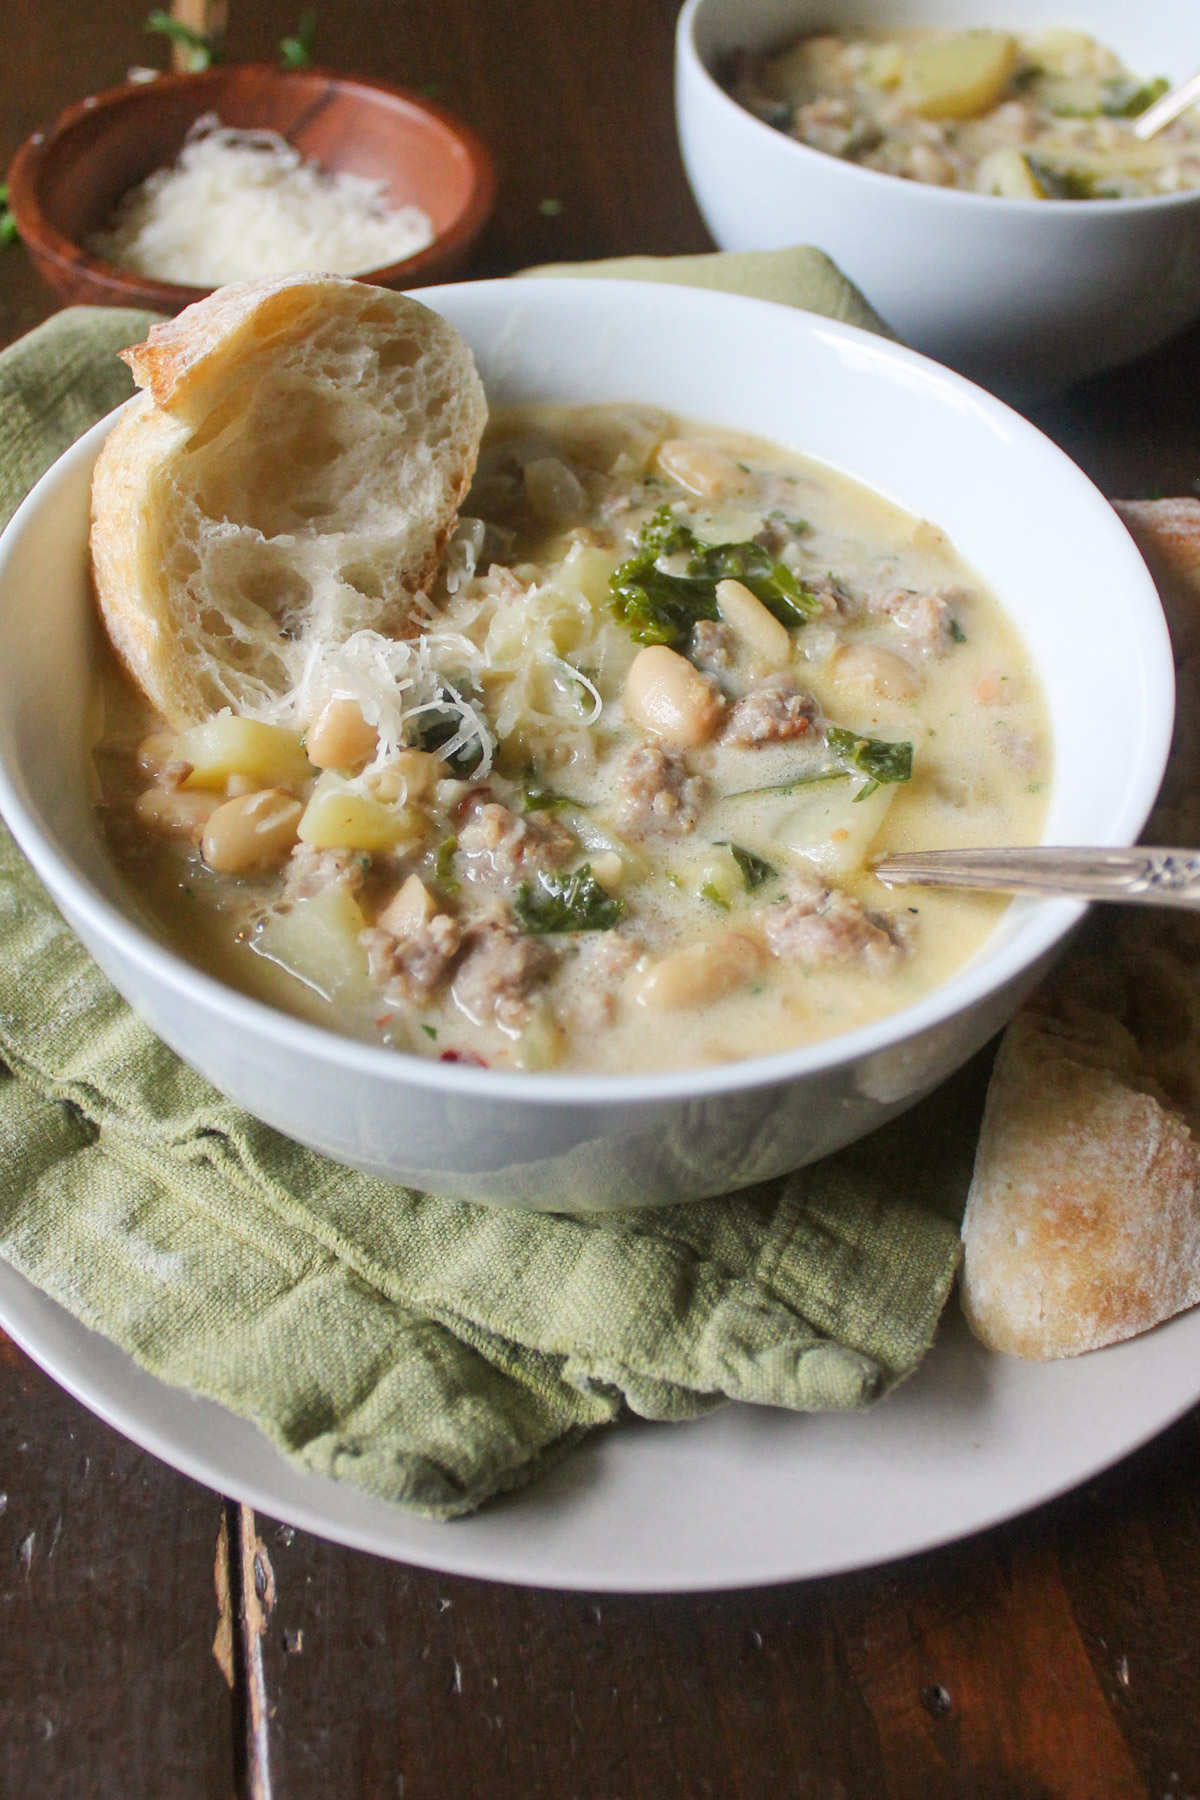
x,y
240,204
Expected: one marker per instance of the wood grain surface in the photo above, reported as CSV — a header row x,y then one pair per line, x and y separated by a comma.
x,y
1053,1659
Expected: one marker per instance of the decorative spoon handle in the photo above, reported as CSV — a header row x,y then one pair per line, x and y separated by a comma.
x,y
1138,877
1168,109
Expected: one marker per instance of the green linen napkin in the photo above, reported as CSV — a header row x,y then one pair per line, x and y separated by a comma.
x,y
432,1352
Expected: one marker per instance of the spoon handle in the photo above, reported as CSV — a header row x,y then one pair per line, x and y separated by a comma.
x,y
1166,110
1138,877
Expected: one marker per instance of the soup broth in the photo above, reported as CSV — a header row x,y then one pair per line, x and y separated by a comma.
x,y
614,807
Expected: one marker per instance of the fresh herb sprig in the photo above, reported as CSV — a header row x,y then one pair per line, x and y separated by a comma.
x,y
296,52
881,761
197,51
755,869
8,225
574,902
660,607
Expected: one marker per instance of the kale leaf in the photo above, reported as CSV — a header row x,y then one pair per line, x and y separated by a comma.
x,y
539,799
882,761
755,870
574,902
661,608
436,728
1129,99
443,867
787,599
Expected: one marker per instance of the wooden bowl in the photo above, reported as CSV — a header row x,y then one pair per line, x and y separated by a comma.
x,y
65,181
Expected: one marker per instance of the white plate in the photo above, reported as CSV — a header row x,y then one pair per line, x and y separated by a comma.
x,y
745,1496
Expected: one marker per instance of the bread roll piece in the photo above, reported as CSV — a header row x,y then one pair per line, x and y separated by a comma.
x,y
290,475
1083,1220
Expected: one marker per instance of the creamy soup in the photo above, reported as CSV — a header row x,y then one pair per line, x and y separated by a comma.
x,y
614,808
1030,116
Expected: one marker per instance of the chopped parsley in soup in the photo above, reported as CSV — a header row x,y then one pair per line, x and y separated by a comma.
x,y
1042,115
613,806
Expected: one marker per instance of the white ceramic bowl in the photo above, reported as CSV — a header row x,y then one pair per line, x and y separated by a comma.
x,y
1024,295
1023,516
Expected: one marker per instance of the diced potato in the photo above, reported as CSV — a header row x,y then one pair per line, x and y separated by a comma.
x,y
821,825
541,1042
340,817
962,76
317,941
614,439
1007,172
410,908
883,66
411,773
760,631
586,570
598,841
268,755
711,870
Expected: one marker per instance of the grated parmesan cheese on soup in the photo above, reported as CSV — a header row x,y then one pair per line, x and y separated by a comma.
x,y
239,204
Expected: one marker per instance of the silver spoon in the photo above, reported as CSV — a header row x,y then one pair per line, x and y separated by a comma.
x,y
1168,109
1138,877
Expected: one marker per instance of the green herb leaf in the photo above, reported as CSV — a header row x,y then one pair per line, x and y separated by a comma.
x,y
1062,183
1129,99
202,52
430,1031
544,800
957,632
574,902
755,870
661,608
443,867
296,52
884,762
787,599
710,892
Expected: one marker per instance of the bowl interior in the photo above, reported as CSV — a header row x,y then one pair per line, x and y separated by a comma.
x,y
1025,519
1162,39
345,125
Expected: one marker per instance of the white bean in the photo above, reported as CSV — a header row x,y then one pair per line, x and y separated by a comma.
x,y
666,695
252,833
760,631
701,469
884,672
701,973
175,813
341,737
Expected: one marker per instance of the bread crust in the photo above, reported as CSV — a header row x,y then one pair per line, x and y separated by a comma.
x,y
291,474
1082,1225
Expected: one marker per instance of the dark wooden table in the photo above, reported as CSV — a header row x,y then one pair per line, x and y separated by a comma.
x,y
1053,1659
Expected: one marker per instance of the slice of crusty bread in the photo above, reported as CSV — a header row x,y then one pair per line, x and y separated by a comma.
x,y
291,474
1083,1220
1083,1223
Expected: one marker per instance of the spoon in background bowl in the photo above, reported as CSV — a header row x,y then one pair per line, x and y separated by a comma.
x,y
1164,112
1138,877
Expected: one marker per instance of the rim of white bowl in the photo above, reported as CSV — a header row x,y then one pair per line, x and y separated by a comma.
x,y
685,39
1042,923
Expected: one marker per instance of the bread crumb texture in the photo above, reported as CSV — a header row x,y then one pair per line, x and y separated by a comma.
x,y
290,474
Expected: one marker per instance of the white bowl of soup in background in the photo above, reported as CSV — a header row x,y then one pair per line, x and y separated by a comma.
x,y
1026,521
1023,295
